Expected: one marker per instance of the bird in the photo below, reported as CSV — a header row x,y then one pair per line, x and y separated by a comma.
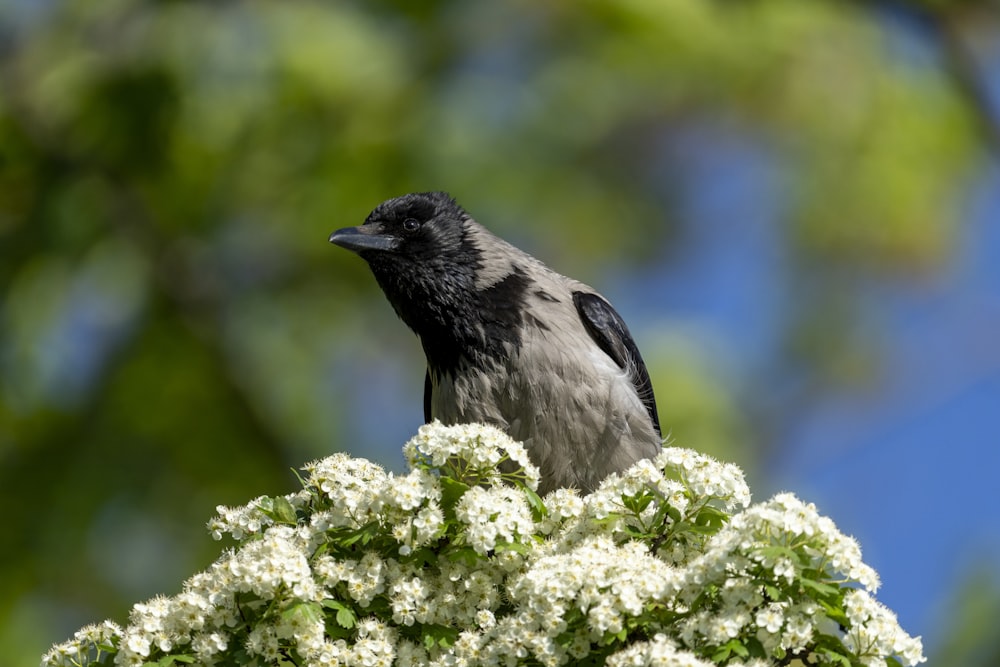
x,y
510,342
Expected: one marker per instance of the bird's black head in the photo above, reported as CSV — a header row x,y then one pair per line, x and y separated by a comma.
x,y
417,247
413,228
446,277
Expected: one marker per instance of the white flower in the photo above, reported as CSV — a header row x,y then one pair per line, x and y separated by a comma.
x,y
365,578
471,450
604,617
659,652
239,521
81,648
409,654
485,619
606,500
279,558
798,631
784,567
580,575
354,487
491,514
407,596
375,646
706,476
411,491
600,578
330,654
720,628
263,641
207,644
427,523
564,504
875,632
770,618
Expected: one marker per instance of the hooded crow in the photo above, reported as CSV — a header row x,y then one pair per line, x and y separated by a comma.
x,y
510,342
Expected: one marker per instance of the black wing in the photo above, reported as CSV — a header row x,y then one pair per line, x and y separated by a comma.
x,y
427,397
608,330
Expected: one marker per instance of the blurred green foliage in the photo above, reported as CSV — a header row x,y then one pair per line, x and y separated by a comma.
x,y
176,332
970,630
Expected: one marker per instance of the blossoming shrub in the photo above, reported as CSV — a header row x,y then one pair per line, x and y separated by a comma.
x,y
459,562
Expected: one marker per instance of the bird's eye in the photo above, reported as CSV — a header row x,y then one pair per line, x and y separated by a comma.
x,y
411,225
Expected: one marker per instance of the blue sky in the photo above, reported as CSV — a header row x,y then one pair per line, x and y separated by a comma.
x,y
911,469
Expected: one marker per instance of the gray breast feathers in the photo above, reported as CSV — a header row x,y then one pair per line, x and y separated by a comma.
x,y
575,409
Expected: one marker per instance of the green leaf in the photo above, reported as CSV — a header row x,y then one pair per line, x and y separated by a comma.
x,y
755,648
283,511
233,658
836,658
465,555
305,612
610,638
702,528
364,535
673,513
380,606
833,648
611,518
334,632
636,533
346,619
345,616
512,546
451,491
711,517
835,612
421,557
438,635
168,660
825,590
777,551
722,654
733,646
636,504
538,508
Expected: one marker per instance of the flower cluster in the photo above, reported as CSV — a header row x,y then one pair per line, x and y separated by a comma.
x,y
472,453
459,562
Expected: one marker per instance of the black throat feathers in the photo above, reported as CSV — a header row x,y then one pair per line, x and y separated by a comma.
x,y
457,323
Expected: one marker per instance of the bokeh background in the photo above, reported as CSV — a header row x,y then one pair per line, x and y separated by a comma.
x,y
795,205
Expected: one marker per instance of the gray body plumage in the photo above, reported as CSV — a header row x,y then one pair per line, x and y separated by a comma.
x,y
510,342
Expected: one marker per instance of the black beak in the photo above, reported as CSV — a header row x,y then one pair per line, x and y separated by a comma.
x,y
365,237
